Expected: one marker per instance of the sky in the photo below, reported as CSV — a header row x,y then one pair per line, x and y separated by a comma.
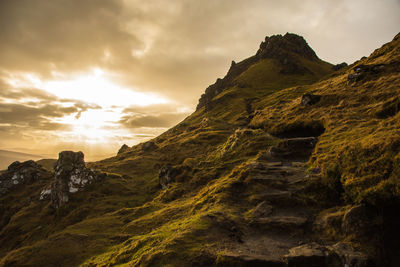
x,y
92,75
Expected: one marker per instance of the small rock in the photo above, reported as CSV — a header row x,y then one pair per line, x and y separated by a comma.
x,y
310,99
149,146
166,175
312,255
262,210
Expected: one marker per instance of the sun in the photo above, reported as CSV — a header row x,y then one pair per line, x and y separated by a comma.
x,y
103,98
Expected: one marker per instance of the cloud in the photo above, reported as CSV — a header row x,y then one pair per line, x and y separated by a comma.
x,y
177,48
62,35
155,116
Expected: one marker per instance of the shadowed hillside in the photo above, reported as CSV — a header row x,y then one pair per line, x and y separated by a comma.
x,y
287,161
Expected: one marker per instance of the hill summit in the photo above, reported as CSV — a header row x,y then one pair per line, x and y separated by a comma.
x,y
287,161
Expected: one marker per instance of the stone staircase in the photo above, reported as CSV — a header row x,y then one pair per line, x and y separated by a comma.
x,y
280,230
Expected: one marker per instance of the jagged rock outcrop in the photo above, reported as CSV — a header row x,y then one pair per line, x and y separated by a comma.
x,y
285,49
362,71
123,148
340,66
70,176
310,99
20,173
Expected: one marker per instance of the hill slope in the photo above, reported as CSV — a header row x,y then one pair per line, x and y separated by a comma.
x,y
285,162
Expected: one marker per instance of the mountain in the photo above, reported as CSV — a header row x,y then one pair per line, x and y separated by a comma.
x,y
287,161
8,157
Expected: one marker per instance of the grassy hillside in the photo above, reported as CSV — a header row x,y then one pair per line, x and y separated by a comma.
x,y
210,214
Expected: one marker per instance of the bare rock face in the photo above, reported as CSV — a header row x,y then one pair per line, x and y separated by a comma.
x,y
71,176
20,173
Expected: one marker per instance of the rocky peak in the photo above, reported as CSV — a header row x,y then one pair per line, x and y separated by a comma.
x,y
123,148
279,47
286,50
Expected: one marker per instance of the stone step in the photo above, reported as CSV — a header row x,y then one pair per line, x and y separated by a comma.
x,y
275,195
292,223
244,260
268,179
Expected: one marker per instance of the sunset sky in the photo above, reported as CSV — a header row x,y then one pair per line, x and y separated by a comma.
x,y
92,75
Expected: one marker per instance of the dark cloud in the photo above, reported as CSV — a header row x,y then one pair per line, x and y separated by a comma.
x,y
152,121
157,116
67,35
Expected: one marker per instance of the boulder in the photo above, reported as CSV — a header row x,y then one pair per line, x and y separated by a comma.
x,y
363,71
20,173
166,175
123,148
149,146
310,99
312,255
70,176
350,257
262,210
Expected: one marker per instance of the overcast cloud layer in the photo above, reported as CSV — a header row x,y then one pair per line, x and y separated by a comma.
x,y
172,49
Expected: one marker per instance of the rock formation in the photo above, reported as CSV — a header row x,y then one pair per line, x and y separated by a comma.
x,y
166,175
20,173
123,148
362,71
340,66
71,176
310,99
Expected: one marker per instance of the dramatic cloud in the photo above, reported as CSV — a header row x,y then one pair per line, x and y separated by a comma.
x,y
156,116
166,51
